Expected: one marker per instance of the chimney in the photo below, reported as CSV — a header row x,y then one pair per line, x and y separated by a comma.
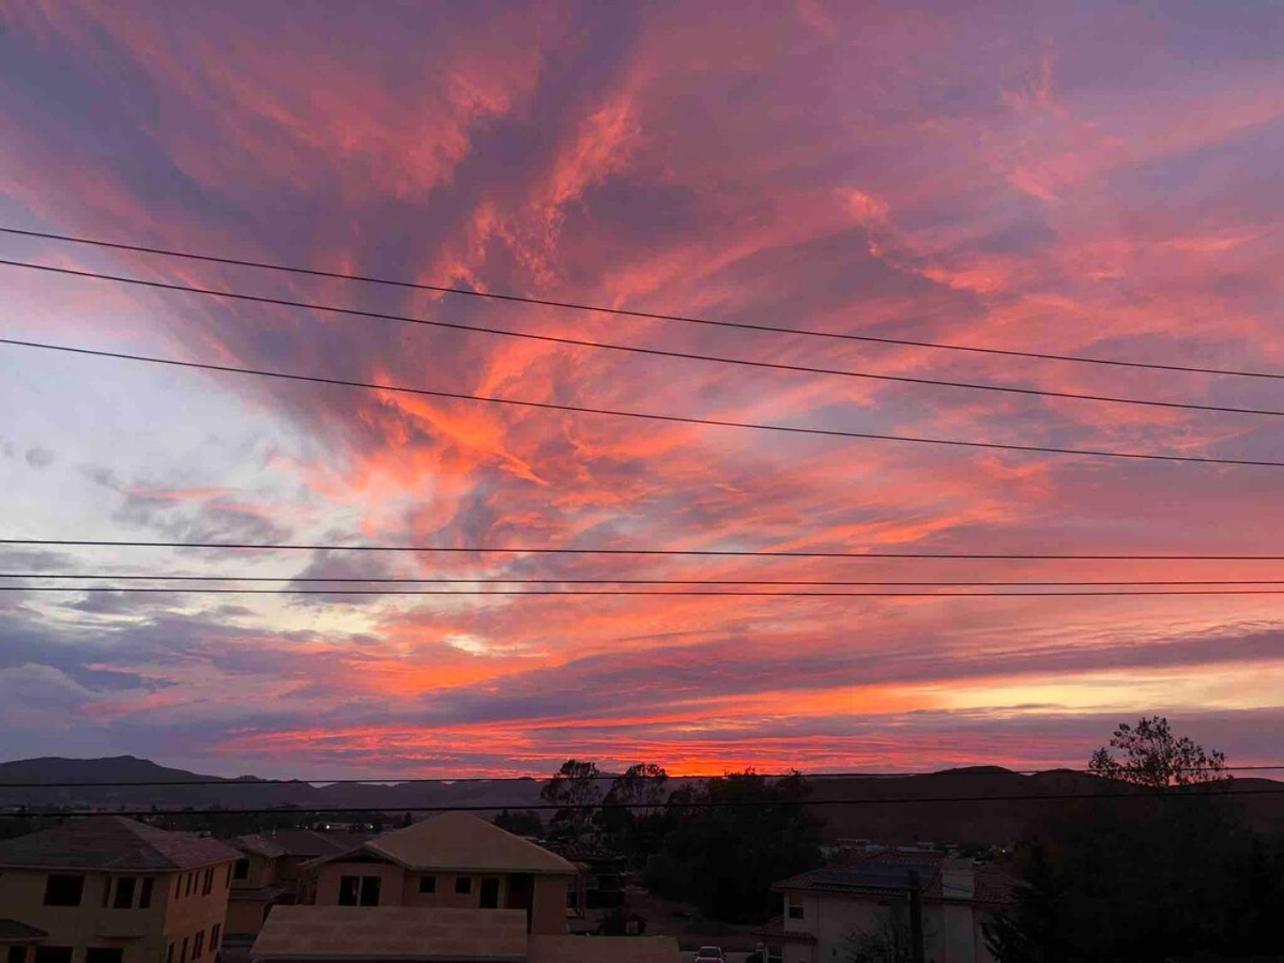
x,y
958,879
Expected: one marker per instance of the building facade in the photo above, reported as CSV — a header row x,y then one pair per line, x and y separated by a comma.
x,y
112,890
452,861
827,913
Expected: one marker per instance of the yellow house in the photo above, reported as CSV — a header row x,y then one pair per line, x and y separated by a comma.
x,y
451,861
112,890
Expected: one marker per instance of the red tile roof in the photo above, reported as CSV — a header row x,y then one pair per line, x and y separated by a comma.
x,y
113,843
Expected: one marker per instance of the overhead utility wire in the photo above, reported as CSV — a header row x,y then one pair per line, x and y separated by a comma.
x,y
700,552
637,349
644,416
619,581
1138,795
600,777
625,312
178,590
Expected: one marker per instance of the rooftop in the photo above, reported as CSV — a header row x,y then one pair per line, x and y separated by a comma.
x,y
13,931
889,873
594,949
462,841
112,843
304,843
401,933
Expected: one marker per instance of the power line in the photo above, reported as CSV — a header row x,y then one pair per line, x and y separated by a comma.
x,y
1138,795
711,552
636,349
644,416
389,781
626,581
624,312
135,590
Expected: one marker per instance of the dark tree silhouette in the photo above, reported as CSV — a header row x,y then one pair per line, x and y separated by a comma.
x,y
1150,755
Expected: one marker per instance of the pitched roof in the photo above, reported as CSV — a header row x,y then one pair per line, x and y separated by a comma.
x,y
15,931
114,843
462,841
888,873
258,845
404,933
593,949
305,843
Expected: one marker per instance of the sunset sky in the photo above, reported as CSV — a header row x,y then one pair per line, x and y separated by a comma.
x,y
1094,178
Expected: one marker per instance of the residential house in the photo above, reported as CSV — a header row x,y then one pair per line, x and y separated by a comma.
x,y
826,910
451,861
267,874
417,934
112,890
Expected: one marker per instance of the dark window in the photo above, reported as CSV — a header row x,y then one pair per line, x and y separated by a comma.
x,y
124,893
209,883
198,945
191,883
463,884
61,890
242,869
17,954
215,933
490,893
145,893
53,954
427,884
348,887
370,891
227,883
182,954
795,906
169,953
102,954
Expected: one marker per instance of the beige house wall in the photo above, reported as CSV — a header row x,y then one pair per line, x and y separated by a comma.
x,y
143,935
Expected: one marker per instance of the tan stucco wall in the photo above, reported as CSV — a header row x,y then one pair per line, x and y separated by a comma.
x,y
262,872
197,913
244,916
391,877
139,932
548,915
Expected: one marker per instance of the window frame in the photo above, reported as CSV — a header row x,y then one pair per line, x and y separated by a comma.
x,y
146,891
49,886
463,885
126,888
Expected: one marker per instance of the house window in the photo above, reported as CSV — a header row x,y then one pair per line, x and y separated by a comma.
x,y
227,883
169,953
795,906
463,884
17,954
775,954
145,892
182,954
53,954
215,932
63,890
209,882
124,893
198,945
102,954
427,884
358,890
191,883
242,869
489,894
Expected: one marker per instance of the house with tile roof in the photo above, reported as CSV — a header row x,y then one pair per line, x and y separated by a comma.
x,y
452,861
267,875
825,911
113,890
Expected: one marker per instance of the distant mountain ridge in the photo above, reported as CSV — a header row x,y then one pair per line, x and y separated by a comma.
x,y
883,808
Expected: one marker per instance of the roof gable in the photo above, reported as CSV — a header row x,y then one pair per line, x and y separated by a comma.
x,y
462,841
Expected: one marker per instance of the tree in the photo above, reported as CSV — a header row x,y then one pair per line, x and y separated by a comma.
x,y
1152,756
730,838
522,822
576,787
888,941
641,785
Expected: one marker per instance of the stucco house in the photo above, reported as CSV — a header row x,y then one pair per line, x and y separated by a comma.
x,y
113,890
824,911
452,861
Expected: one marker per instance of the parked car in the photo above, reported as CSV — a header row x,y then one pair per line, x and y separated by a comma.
x,y
710,954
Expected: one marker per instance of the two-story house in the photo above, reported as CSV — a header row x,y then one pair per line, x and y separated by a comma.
x,y
113,890
827,912
451,861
